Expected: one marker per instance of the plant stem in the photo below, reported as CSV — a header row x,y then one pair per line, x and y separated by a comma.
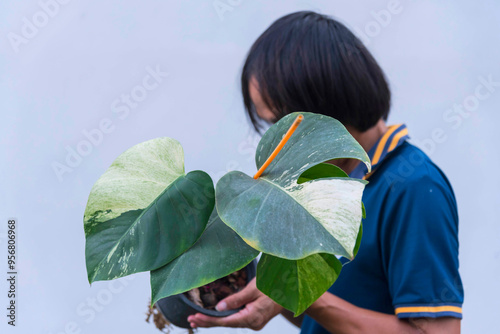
x,y
278,148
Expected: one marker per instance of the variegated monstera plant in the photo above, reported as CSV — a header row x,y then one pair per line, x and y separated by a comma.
x,y
146,214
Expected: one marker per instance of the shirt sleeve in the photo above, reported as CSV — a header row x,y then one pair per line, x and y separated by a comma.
x,y
419,244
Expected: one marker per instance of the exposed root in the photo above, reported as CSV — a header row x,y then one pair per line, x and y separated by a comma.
x,y
194,296
159,320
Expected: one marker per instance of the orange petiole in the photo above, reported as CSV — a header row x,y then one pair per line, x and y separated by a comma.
x,y
278,148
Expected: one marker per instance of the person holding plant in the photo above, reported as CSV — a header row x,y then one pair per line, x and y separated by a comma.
x,y
405,277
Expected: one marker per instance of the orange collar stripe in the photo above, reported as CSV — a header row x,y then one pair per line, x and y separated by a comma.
x,y
381,145
396,139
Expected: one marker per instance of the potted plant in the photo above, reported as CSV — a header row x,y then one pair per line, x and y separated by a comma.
x,y
145,214
177,308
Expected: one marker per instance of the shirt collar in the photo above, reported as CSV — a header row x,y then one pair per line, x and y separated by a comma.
x,y
393,138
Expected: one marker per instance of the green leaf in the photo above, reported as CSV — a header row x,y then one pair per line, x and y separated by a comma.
x,y
302,281
358,239
296,284
321,171
143,212
218,253
278,216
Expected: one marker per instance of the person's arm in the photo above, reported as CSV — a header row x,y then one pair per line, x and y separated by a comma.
x,y
333,313
338,316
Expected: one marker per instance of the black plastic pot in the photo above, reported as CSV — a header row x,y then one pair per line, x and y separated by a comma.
x,y
177,308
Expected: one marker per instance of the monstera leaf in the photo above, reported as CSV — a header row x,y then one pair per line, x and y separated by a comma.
x,y
301,212
218,253
144,211
278,216
296,284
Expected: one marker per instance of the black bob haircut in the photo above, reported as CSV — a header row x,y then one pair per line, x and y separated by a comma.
x,y
306,61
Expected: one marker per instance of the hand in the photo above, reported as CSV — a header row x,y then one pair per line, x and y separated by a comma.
x,y
259,309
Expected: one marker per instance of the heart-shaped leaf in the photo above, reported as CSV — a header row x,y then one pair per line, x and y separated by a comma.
x,y
218,253
296,284
143,212
278,216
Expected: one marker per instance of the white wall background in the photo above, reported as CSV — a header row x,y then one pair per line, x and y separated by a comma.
x,y
63,79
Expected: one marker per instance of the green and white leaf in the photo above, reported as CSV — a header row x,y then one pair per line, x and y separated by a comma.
x,y
278,215
135,179
143,212
296,284
218,253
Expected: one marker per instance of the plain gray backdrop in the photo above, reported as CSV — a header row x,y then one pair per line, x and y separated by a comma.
x,y
64,67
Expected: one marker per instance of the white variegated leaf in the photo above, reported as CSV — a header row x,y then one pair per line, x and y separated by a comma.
x,y
143,212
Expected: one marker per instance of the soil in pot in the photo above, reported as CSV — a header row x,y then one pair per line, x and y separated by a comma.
x,y
209,295
204,298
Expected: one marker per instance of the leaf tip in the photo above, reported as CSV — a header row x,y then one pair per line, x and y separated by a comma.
x,y
296,314
368,166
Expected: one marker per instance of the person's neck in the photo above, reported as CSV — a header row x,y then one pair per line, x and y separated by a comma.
x,y
367,139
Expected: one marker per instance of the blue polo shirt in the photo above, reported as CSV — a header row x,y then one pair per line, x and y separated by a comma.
x,y
407,263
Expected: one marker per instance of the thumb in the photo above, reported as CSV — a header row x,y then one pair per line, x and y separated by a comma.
x,y
238,299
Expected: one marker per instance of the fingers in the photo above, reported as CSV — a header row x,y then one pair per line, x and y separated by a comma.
x,y
245,296
247,318
200,320
234,320
259,309
255,315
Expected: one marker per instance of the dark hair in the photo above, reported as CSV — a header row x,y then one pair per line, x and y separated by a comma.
x,y
306,61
